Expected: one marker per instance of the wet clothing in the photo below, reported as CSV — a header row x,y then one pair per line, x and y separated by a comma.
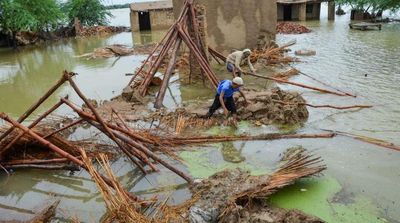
x,y
236,59
226,87
229,104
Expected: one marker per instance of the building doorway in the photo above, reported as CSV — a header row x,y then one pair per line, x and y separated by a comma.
x,y
144,21
287,12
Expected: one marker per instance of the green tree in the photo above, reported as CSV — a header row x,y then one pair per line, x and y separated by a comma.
x,y
371,6
47,13
89,12
14,18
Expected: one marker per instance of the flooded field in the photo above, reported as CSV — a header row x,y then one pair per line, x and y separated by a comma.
x,y
360,184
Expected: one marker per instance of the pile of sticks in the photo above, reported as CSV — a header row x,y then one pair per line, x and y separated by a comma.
x,y
135,146
170,45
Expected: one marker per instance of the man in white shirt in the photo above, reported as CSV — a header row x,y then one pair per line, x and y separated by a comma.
x,y
237,58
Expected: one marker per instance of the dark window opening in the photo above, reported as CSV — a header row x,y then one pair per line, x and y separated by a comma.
x,y
309,8
144,21
287,12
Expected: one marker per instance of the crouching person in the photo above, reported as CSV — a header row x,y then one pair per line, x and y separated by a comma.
x,y
224,97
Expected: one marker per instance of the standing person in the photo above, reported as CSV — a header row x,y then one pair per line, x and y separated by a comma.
x,y
237,58
224,97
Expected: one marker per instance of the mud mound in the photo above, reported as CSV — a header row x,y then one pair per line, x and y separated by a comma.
x,y
216,191
275,106
291,28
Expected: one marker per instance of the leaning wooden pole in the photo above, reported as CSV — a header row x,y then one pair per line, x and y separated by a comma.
x,y
22,118
167,75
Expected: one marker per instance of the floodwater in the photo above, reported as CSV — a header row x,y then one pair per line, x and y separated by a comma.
x,y
360,184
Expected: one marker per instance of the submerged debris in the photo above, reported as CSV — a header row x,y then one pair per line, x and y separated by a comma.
x,y
118,50
226,196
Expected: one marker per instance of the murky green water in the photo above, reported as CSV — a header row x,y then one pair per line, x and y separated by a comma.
x,y
367,174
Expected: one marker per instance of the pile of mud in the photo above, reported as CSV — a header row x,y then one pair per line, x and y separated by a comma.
x,y
264,107
216,191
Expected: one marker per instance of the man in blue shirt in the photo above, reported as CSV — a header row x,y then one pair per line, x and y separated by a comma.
x,y
224,97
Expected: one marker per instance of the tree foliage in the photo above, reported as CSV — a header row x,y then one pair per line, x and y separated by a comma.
x,y
89,12
15,17
372,6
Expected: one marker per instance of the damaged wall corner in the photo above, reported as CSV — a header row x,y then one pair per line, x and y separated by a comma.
x,y
237,24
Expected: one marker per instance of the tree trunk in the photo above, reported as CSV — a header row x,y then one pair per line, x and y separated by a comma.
x,y
14,39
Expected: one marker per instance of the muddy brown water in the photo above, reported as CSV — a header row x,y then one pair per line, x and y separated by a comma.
x,y
360,185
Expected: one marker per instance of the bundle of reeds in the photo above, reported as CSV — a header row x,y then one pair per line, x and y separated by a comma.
x,y
299,165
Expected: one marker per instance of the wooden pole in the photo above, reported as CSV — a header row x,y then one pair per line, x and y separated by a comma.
x,y
167,76
203,63
323,83
297,84
22,118
154,68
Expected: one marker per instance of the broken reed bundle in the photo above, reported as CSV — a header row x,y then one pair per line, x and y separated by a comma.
x,y
271,54
121,208
119,205
298,166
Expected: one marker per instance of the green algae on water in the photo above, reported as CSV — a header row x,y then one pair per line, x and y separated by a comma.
x,y
314,197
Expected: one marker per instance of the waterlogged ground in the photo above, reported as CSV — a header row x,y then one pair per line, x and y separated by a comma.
x,y
360,184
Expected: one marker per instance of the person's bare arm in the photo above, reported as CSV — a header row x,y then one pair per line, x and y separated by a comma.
x,y
221,100
250,65
238,60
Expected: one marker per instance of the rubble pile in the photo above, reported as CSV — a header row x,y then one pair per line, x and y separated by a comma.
x,y
291,28
274,107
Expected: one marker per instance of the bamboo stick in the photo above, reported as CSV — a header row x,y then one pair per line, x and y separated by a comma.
x,y
22,118
203,63
370,140
328,85
297,84
44,167
272,136
36,161
153,156
154,68
168,73
326,106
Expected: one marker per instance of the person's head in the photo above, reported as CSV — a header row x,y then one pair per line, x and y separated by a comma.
x,y
246,52
237,82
